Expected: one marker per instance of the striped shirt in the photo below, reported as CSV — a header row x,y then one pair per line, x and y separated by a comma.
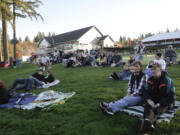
x,y
136,90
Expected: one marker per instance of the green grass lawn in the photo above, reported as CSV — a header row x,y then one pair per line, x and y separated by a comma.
x,y
80,115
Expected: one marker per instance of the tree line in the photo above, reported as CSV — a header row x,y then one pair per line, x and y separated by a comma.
x,y
129,42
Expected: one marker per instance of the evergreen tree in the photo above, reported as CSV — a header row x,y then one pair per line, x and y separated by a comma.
x,y
23,9
27,39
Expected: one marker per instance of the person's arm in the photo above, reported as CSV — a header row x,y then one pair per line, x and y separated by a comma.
x,y
170,97
164,65
129,87
165,54
126,66
141,85
168,100
119,59
34,75
38,77
175,54
146,92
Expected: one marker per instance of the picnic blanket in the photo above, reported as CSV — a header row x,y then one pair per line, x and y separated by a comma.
x,y
44,100
23,98
47,98
138,111
45,86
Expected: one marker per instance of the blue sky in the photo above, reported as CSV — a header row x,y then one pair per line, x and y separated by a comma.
x,y
114,17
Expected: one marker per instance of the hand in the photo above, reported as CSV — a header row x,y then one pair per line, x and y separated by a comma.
x,y
151,103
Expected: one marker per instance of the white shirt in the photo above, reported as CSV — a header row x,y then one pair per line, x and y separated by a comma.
x,y
162,63
56,54
44,59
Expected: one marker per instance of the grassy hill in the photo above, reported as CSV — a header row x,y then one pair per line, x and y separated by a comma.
x,y
80,115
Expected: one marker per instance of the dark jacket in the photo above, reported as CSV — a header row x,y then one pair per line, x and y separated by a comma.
x,y
161,91
38,76
49,79
170,53
4,96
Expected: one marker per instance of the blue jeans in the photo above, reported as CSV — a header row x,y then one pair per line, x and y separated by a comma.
x,y
125,102
24,84
138,57
35,82
93,60
125,75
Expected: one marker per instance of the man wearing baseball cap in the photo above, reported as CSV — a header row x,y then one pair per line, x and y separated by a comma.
x,y
158,96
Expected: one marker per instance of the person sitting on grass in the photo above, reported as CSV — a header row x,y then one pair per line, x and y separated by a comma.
x,y
159,60
102,61
126,73
131,60
44,62
109,59
117,58
133,97
12,63
148,68
170,55
86,60
123,75
4,95
93,56
158,96
73,62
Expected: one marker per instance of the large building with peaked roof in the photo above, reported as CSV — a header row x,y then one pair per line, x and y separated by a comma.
x,y
82,39
163,40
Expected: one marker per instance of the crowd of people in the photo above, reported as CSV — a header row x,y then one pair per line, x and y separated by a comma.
x,y
78,59
155,93
152,87
12,63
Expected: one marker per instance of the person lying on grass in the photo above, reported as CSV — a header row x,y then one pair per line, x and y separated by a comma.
x,y
49,78
4,96
133,97
158,96
34,81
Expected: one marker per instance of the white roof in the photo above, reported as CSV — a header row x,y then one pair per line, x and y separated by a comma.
x,y
163,36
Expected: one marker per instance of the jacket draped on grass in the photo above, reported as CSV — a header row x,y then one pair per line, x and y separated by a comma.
x,y
166,90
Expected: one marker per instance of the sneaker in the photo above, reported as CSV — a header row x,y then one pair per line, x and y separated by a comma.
x,y
115,76
103,104
104,107
109,111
